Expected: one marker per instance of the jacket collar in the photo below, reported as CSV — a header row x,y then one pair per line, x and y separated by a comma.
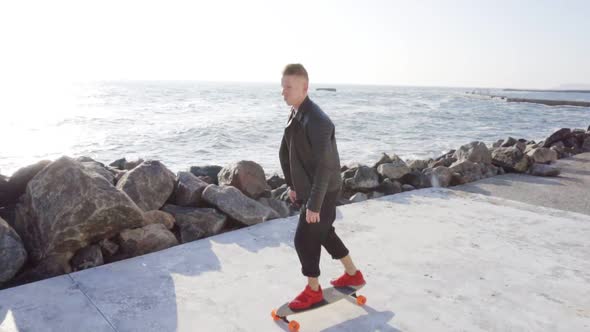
x,y
305,105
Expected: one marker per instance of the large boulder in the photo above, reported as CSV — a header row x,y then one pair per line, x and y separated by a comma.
x,y
100,169
195,223
418,165
149,185
210,171
17,184
189,189
393,170
12,252
560,135
365,178
416,179
469,171
542,155
150,238
475,152
66,207
240,207
439,176
389,187
245,175
511,159
275,181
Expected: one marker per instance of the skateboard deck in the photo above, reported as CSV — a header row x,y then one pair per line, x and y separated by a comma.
x,y
331,295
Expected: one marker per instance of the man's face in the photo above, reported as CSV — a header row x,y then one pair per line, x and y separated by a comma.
x,y
294,89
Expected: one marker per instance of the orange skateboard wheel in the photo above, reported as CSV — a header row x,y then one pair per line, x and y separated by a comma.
x,y
361,300
294,326
274,315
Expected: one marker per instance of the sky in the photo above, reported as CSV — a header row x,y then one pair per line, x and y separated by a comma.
x,y
502,44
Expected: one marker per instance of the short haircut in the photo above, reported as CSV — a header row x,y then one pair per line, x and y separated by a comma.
x,y
296,69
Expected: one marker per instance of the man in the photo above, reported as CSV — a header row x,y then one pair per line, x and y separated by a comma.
x,y
311,165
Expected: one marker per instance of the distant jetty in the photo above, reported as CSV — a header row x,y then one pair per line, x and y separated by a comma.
x,y
326,89
548,102
534,90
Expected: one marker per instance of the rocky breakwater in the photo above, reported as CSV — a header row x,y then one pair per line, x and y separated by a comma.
x,y
72,214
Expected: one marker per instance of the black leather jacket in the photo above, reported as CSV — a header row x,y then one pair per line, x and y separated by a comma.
x,y
309,156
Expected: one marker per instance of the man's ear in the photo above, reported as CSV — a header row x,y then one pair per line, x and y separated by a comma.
x,y
306,85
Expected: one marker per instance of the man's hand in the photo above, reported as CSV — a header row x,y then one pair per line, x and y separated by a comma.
x,y
312,217
292,195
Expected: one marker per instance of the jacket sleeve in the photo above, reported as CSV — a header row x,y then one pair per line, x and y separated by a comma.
x,y
285,163
320,134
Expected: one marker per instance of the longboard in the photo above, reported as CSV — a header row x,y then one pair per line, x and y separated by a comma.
x,y
331,295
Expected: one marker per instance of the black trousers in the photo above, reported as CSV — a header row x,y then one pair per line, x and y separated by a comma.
x,y
309,238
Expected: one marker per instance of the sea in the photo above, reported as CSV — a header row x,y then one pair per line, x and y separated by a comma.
x,y
192,123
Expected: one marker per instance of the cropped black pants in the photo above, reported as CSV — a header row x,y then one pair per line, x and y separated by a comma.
x,y
310,237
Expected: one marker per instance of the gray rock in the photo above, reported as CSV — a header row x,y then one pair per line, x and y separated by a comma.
x,y
393,170
418,165
129,165
385,159
189,189
511,159
48,267
108,248
150,238
476,152
498,143
211,171
365,178
245,175
416,179
586,144
278,193
119,164
407,187
196,223
240,207
359,197
17,184
87,257
510,141
123,164
440,176
349,173
469,171
99,169
281,207
389,187
149,185
12,252
159,217
275,181
557,136
521,146
66,207
542,155
446,162
544,170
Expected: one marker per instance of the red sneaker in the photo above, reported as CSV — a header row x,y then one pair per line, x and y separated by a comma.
x,y
307,298
347,280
